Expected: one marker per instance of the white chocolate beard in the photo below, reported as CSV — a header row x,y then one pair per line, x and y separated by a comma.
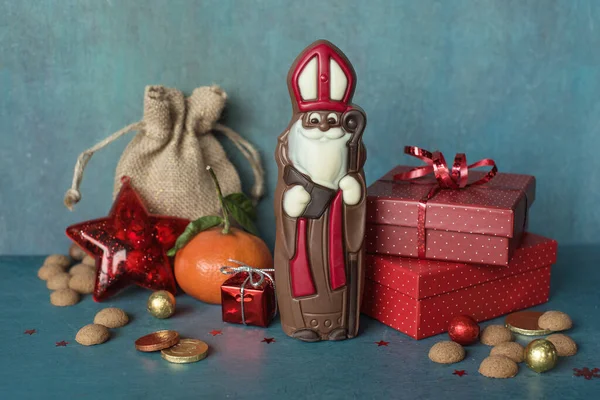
x,y
323,156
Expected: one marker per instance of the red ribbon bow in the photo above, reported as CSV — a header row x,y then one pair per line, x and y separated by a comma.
x,y
456,178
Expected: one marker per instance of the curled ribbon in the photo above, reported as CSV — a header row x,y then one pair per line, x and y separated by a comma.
x,y
262,275
455,178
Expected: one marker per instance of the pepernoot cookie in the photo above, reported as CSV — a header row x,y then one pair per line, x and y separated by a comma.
x,y
89,260
83,282
555,321
493,335
92,334
82,268
111,317
58,259
565,346
58,281
512,350
64,297
446,352
76,252
49,270
498,367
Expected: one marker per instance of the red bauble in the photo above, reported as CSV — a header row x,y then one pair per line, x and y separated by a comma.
x,y
463,330
129,245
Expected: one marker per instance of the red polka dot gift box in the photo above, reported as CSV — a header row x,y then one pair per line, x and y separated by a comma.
x,y
481,224
419,297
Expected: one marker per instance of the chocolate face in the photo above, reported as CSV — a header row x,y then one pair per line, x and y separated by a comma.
x,y
322,120
320,200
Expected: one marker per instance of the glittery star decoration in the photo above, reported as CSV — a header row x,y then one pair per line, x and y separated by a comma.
x,y
587,373
215,332
382,343
30,332
62,343
129,245
268,340
459,372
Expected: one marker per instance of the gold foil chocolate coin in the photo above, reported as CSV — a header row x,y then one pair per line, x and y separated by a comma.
x,y
157,341
525,323
186,351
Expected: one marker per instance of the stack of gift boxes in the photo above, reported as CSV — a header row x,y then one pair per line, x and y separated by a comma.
x,y
436,253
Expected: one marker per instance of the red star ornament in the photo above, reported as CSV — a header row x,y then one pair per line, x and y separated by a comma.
x,y
129,245
459,372
62,343
215,332
268,340
382,343
30,332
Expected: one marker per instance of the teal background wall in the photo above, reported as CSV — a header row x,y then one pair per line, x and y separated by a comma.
x,y
518,81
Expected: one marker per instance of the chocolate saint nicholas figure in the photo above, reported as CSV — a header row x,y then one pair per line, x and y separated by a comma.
x,y
320,200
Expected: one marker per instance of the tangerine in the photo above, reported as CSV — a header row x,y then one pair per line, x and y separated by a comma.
x,y
198,263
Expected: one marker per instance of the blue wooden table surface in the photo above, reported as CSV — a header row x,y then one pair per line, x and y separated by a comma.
x,y
241,366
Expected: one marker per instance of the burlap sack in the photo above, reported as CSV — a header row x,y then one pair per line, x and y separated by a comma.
x,y
167,159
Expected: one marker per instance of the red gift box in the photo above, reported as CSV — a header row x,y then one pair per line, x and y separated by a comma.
x,y
419,297
254,305
480,224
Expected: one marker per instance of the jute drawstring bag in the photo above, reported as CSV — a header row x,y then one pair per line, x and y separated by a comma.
x,y
167,159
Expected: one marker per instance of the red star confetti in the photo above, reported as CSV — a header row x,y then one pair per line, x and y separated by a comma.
x,y
587,373
268,340
215,332
29,332
62,343
129,245
459,372
381,343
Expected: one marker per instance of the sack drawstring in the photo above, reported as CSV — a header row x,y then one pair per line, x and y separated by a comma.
x,y
73,195
253,157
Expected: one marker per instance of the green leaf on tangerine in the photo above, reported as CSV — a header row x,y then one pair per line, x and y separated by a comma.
x,y
193,228
243,202
241,217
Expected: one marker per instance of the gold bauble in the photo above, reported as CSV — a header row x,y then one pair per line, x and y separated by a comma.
x,y
540,355
161,304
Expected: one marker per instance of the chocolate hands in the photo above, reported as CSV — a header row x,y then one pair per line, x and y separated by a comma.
x,y
295,200
351,190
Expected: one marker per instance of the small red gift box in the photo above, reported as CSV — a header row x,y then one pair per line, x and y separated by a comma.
x,y
419,297
248,301
480,224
